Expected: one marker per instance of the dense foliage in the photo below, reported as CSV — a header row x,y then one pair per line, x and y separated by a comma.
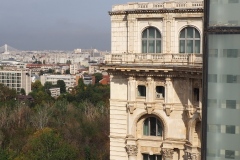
x,y
73,126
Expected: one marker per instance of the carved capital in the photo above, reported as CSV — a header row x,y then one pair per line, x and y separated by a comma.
x,y
168,108
167,153
193,156
132,150
131,107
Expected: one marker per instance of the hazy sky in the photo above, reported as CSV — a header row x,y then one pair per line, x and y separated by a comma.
x,y
56,24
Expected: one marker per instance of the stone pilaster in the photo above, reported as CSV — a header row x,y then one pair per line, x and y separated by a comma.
x,y
132,151
167,153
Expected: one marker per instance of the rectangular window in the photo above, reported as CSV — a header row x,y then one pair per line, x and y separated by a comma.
x,y
196,94
213,53
233,1
230,53
230,129
231,104
231,79
229,154
160,92
142,91
212,78
152,157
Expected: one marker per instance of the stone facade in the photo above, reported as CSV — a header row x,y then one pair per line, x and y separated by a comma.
x,y
155,101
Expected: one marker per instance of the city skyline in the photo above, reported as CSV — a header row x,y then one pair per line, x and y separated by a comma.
x,y
56,24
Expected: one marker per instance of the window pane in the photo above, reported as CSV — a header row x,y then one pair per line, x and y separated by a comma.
x,y
144,35
189,46
159,128
197,34
151,157
197,46
182,35
190,32
151,46
158,46
182,46
158,34
146,127
145,157
144,46
231,104
151,32
152,126
159,157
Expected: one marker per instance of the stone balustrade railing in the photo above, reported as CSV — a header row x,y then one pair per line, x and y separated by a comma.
x,y
158,5
160,58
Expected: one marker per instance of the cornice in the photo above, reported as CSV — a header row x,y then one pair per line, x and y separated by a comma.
x,y
151,11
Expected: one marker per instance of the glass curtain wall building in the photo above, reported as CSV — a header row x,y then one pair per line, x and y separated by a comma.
x,y
221,114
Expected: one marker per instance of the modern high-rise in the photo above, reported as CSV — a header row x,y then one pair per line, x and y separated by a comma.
x,y
221,114
155,69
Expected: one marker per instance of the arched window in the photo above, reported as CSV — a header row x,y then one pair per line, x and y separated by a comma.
x,y
152,127
151,40
189,40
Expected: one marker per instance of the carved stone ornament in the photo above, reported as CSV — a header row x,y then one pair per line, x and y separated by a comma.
x,y
132,150
167,153
150,107
131,107
168,108
195,156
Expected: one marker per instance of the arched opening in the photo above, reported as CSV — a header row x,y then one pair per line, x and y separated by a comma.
x,y
189,40
151,40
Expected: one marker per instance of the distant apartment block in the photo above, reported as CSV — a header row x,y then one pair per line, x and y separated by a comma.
x,y
70,80
16,79
55,92
74,68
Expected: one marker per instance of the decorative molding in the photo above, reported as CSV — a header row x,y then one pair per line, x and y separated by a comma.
x,y
193,156
131,107
149,107
132,150
168,108
167,153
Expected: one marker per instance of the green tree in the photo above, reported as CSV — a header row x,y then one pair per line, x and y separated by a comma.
x,y
46,144
67,71
41,72
61,84
98,77
36,86
22,91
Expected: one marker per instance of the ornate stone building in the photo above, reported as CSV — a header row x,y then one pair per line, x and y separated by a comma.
x,y
156,80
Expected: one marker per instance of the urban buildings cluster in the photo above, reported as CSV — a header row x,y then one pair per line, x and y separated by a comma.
x,y
19,68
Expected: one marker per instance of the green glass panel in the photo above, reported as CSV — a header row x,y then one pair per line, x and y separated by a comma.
x,y
151,32
190,32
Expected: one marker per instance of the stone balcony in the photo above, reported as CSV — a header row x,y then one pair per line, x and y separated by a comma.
x,y
179,59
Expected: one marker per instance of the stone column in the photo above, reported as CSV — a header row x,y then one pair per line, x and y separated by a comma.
x,y
167,154
132,151
195,156
168,90
150,90
131,89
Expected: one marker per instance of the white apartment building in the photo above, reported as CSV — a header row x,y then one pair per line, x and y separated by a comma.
x,y
70,80
55,92
156,80
16,79
74,68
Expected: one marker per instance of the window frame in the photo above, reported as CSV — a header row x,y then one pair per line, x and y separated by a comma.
x,y
147,123
155,156
140,90
192,39
148,39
